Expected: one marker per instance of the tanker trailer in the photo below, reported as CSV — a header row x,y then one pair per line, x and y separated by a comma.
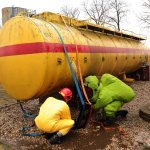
x,y
32,59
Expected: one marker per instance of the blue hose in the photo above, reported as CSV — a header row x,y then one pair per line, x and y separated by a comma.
x,y
70,65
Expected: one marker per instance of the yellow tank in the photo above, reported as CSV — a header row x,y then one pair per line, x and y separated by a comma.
x,y
32,59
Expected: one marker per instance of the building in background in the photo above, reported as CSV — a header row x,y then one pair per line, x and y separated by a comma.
x,y
9,12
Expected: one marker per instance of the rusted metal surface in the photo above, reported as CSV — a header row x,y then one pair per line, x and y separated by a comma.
x,y
5,99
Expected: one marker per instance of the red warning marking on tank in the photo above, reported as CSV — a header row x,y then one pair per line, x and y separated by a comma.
x,y
42,47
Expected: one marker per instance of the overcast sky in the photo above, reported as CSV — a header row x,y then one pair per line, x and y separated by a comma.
x,y
131,23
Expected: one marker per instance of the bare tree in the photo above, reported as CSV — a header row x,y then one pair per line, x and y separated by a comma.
x,y
118,11
97,10
145,16
70,12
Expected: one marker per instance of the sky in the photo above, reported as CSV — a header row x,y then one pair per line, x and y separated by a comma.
x,y
131,23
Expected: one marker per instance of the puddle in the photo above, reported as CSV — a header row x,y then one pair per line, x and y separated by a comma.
x,y
91,140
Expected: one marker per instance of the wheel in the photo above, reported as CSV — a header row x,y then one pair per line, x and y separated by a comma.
x,y
144,112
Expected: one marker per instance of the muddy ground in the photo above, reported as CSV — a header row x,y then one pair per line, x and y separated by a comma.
x,y
93,137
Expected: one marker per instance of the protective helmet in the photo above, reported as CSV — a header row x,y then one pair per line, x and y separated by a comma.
x,y
66,93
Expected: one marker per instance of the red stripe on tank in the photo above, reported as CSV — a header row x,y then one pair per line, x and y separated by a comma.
x,y
41,47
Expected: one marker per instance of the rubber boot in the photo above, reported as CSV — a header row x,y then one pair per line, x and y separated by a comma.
x,y
109,122
48,135
122,113
55,139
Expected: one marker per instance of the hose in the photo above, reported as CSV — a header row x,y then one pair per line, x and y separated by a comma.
x,y
79,68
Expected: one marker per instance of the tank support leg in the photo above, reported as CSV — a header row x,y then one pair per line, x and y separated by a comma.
x,y
125,79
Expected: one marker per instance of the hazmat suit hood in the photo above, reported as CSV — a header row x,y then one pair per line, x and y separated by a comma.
x,y
93,83
108,79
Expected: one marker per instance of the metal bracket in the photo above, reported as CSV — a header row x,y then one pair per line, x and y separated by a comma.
x,y
59,61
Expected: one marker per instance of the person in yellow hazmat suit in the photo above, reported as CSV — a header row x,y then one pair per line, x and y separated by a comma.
x,y
54,115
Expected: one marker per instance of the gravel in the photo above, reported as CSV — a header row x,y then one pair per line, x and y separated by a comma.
x,y
137,130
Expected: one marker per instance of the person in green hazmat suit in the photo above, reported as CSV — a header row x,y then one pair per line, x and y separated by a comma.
x,y
54,116
109,95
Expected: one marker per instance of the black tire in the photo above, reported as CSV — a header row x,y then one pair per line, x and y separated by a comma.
x,y
144,112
